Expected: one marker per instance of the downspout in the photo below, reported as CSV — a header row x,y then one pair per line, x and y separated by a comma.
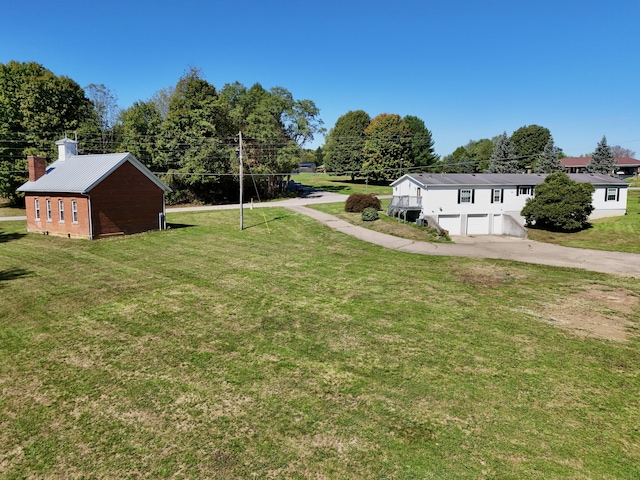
x,y
90,216
163,225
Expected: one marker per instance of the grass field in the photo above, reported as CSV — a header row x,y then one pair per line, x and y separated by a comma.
x,y
341,184
6,211
296,352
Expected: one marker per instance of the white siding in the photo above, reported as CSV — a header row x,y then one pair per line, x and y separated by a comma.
x,y
609,208
484,216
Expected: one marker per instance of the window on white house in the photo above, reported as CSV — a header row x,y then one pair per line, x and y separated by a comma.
x,y
419,192
465,196
525,190
36,207
48,209
60,211
497,195
612,194
74,211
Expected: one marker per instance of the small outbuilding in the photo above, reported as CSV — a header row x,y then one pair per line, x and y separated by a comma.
x,y
92,196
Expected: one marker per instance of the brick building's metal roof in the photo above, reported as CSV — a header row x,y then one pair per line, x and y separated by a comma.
x,y
80,173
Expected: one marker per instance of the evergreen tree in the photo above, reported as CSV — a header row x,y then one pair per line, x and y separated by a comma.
x,y
503,159
548,161
423,152
602,160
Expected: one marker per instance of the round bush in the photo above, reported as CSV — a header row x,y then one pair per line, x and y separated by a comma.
x,y
357,202
369,214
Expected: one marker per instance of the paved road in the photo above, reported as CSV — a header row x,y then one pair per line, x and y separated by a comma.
x,y
482,246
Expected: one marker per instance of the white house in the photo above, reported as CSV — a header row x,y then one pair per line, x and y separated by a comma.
x,y
489,204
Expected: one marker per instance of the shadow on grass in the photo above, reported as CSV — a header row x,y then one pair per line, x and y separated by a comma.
x,y
12,274
329,188
7,237
173,226
550,229
267,221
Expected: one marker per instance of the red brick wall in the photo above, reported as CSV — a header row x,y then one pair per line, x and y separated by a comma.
x,y
57,226
125,202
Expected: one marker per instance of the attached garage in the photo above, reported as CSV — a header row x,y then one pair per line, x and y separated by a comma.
x,y
478,224
450,223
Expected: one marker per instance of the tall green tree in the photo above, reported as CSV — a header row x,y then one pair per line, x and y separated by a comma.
x,y
548,161
423,153
458,162
387,148
191,146
503,159
559,204
528,143
474,157
37,108
140,127
275,127
602,160
343,149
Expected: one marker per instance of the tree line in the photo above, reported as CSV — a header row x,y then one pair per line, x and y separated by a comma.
x,y
381,148
529,148
187,132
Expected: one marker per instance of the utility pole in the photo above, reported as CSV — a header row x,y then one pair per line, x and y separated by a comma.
x,y
241,183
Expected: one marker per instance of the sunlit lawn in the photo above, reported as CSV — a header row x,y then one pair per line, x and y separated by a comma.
x,y
7,211
341,184
294,351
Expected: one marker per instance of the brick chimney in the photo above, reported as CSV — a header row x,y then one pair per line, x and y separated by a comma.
x,y
37,167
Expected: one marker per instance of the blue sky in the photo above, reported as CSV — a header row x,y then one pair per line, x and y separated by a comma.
x,y
469,69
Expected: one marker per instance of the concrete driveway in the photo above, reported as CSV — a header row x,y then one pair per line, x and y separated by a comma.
x,y
490,246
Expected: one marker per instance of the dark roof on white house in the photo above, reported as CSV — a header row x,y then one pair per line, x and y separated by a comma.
x,y
501,179
81,173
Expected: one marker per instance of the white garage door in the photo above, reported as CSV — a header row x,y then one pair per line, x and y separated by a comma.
x,y
477,224
450,223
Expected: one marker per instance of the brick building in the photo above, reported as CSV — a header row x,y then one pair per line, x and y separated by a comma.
x,y
92,196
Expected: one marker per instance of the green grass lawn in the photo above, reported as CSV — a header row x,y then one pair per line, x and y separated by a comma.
x,y
7,211
385,224
341,184
614,233
294,351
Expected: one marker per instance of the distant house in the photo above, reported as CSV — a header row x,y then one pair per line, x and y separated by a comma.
x,y
306,167
488,204
625,167
92,196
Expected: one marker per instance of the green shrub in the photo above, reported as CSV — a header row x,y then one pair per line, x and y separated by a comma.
x,y
359,201
559,204
369,214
